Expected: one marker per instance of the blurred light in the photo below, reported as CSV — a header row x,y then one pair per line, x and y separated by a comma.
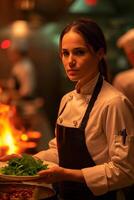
x,y
25,4
20,28
79,6
5,44
34,134
92,7
91,2
24,137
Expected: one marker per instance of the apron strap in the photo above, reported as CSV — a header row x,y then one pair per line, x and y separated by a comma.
x,y
91,102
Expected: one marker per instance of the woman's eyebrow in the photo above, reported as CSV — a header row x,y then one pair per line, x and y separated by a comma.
x,y
64,49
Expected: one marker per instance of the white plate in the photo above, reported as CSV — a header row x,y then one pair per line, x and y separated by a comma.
x,y
23,178
18,178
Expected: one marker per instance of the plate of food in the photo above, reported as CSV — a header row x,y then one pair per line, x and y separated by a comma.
x,y
23,169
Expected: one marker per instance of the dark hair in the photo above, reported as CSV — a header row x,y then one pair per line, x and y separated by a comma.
x,y
92,34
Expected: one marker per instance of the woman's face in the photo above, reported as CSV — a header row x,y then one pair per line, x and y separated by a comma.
x,y
80,61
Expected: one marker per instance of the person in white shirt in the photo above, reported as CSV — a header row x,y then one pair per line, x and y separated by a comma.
x,y
124,81
23,77
94,138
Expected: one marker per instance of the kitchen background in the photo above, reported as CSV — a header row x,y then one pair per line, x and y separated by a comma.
x,y
39,23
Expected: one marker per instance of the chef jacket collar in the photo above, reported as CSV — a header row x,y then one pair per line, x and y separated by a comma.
x,y
88,87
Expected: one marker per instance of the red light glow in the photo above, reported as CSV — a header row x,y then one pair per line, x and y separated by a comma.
x,y
91,2
5,44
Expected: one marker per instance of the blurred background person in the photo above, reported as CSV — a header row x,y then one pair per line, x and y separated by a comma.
x,y
124,81
22,79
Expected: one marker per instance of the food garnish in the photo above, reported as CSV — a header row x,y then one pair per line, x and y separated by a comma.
x,y
25,166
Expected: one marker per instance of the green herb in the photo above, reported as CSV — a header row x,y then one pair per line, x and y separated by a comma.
x,y
25,166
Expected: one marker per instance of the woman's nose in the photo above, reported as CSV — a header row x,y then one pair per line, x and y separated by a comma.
x,y
72,62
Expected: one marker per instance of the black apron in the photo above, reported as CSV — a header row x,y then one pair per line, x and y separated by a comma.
x,y
73,154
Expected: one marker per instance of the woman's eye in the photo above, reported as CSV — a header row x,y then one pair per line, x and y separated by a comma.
x,y
80,52
65,53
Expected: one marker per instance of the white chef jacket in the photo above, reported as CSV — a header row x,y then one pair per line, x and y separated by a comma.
x,y
24,71
124,81
112,112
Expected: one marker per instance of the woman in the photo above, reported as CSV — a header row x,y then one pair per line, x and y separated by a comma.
x,y
94,141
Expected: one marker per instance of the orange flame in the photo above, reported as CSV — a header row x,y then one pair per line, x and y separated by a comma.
x,y
6,131
13,140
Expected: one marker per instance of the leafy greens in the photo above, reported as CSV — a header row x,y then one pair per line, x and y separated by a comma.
x,y
25,166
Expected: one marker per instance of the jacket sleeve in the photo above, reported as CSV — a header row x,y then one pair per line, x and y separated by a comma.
x,y
50,154
118,172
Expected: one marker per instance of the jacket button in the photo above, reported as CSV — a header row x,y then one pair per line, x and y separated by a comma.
x,y
75,123
60,120
70,97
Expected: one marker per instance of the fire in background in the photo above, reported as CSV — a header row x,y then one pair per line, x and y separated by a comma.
x,y
13,140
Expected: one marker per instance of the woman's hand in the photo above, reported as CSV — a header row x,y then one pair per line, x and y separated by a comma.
x,y
52,175
9,157
58,174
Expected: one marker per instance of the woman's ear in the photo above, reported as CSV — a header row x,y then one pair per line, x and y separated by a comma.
x,y
100,53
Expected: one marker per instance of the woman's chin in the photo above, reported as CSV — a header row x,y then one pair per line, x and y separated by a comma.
x,y
72,78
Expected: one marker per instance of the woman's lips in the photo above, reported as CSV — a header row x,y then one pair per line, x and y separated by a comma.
x,y
72,72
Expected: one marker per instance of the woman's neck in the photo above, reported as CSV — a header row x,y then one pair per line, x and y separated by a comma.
x,y
85,80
